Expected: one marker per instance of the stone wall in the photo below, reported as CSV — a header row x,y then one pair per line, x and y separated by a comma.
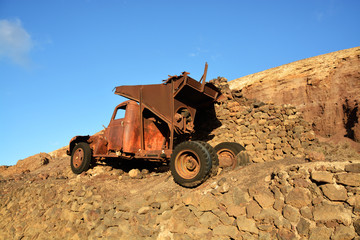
x,y
319,201
267,131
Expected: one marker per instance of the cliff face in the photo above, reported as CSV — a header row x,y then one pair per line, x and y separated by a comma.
x,y
326,89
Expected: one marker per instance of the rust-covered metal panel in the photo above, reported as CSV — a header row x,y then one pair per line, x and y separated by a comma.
x,y
98,144
114,132
154,97
131,133
154,139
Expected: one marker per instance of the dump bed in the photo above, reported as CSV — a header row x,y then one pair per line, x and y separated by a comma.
x,y
175,93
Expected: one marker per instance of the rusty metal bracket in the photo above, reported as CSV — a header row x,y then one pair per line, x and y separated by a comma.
x,y
203,78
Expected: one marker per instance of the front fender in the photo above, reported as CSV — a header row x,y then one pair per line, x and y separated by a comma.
x,y
76,140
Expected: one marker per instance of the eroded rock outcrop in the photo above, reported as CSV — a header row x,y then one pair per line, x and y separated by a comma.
x,y
324,88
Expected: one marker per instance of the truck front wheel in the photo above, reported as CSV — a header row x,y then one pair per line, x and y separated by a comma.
x,y
190,164
80,158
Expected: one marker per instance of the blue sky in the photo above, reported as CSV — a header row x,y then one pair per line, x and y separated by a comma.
x,y
60,60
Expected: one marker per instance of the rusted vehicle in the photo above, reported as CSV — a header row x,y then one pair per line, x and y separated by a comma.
x,y
157,126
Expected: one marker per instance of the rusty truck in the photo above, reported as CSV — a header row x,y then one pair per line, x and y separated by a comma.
x,y
157,126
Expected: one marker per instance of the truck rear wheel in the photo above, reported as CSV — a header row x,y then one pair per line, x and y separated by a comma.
x,y
227,152
80,158
190,164
214,158
243,158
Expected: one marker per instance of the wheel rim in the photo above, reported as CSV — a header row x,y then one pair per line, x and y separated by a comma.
x,y
187,164
226,158
78,157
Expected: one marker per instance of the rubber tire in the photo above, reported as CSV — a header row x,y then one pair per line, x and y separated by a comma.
x,y
85,165
214,158
243,159
238,146
233,147
204,159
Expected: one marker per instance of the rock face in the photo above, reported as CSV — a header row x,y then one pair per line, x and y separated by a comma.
x,y
324,88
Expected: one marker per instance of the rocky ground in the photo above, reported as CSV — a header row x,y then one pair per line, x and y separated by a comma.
x,y
284,199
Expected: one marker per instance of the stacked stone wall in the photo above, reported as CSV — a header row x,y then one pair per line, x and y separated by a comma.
x,y
267,131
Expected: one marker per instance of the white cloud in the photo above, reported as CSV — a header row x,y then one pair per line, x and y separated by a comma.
x,y
15,42
319,16
327,11
198,52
